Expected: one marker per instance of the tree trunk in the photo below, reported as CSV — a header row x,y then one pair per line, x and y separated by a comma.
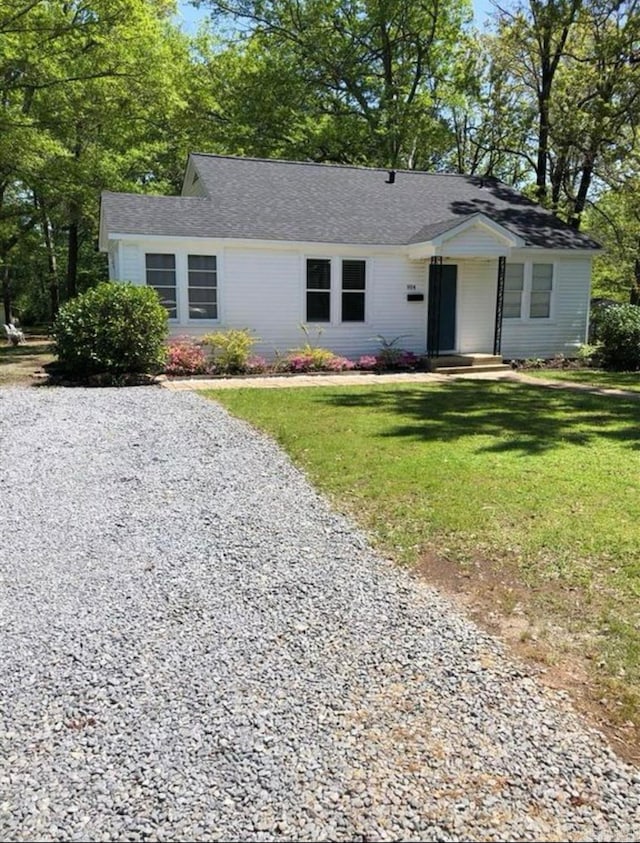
x,y
634,293
6,294
53,282
543,147
72,250
581,197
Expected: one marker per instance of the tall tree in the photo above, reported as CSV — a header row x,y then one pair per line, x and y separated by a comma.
x,y
375,66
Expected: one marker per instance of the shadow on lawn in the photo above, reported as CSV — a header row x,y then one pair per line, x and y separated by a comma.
x,y
520,417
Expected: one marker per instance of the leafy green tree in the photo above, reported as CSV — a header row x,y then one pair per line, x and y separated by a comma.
x,y
375,68
87,88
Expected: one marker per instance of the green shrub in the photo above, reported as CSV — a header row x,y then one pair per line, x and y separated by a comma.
x,y
113,329
230,349
619,333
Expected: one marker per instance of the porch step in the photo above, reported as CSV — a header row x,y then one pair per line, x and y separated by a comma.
x,y
454,364
470,370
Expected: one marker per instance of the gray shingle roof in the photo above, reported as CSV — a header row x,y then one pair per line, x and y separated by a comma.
x,y
285,200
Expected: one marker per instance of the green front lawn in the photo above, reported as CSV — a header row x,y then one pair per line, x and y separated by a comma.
x,y
541,484
597,377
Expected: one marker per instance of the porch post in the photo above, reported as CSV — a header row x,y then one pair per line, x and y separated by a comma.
x,y
497,336
433,306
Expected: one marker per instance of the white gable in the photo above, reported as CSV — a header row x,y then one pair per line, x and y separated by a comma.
x,y
478,241
477,236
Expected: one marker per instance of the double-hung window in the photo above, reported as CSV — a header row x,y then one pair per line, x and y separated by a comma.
x,y
527,291
541,287
161,275
318,290
203,286
513,290
353,290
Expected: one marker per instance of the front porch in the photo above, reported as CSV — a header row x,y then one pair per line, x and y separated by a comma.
x,y
466,273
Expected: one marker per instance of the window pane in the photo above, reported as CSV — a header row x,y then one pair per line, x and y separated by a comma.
x,y
542,276
203,286
353,275
202,279
161,277
204,262
353,307
318,307
512,305
318,274
202,295
203,311
161,261
540,306
514,276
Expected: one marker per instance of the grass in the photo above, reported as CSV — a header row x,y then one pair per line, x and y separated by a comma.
x,y
19,363
597,377
542,486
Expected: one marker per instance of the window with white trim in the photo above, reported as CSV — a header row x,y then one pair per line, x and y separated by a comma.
x,y
161,275
528,289
513,290
318,290
202,273
353,290
541,289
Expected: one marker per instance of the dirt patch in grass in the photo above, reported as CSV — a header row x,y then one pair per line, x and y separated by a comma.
x,y
492,594
22,365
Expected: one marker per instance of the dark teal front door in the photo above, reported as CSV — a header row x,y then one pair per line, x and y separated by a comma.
x,y
441,319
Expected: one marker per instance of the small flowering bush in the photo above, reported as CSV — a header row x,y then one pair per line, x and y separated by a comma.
x,y
407,360
310,359
256,365
314,360
340,364
185,357
367,362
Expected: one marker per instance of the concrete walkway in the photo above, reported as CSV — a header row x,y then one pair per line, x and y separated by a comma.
x,y
368,378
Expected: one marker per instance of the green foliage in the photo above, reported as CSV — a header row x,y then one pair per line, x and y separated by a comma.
x,y
113,329
371,76
619,333
230,349
589,353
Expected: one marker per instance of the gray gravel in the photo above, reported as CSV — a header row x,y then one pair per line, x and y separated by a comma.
x,y
195,647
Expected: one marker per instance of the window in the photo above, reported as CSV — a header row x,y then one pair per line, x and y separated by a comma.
x,y
161,275
318,290
541,286
513,289
203,287
353,287
527,291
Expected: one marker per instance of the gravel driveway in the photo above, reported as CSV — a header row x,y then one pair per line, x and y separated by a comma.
x,y
195,647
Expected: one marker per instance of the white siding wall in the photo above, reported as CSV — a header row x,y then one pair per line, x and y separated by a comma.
x,y
567,327
131,263
264,289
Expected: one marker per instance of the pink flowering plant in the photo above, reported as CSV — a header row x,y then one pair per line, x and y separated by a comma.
x,y
185,357
367,362
256,365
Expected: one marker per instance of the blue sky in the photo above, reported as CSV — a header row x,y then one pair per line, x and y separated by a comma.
x,y
191,17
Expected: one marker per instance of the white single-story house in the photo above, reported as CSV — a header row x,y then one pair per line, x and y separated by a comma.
x,y
452,264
